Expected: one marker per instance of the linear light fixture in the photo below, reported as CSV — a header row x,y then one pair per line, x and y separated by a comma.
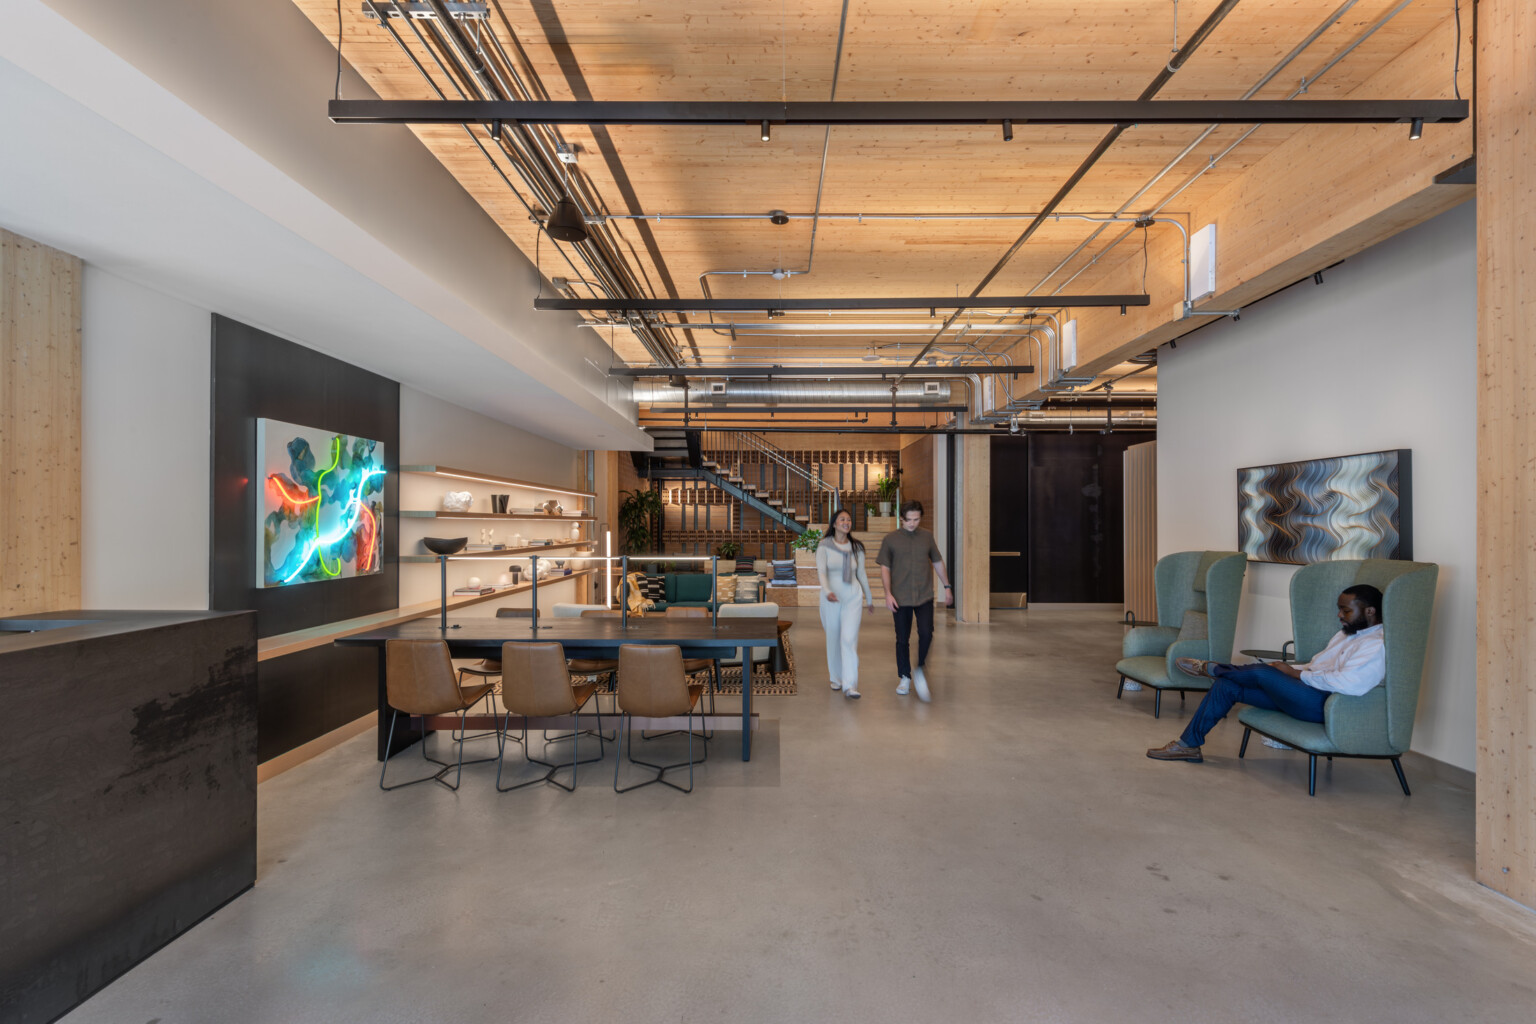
x,y
989,112
816,371
780,305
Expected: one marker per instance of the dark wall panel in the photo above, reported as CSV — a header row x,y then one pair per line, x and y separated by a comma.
x,y
1010,514
1076,517
256,374
308,694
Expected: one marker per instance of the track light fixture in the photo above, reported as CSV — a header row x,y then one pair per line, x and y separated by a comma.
x,y
765,131
565,224
1416,130
1007,130
495,131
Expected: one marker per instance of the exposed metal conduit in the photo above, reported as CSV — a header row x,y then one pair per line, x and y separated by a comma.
x,y
844,391
1179,59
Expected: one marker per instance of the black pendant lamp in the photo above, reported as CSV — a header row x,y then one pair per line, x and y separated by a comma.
x,y
565,224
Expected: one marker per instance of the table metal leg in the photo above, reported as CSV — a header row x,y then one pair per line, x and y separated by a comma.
x,y
746,703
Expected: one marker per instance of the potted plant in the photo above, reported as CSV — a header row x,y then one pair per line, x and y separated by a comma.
x,y
637,512
728,549
885,489
805,547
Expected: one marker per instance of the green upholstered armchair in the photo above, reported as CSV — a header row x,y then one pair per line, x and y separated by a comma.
x,y
1379,723
1197,599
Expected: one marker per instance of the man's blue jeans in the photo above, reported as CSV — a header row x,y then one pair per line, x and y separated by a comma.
x,y
1260,686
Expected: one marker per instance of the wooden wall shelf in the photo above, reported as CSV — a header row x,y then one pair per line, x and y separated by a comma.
x,y
465,474
497,554
408,513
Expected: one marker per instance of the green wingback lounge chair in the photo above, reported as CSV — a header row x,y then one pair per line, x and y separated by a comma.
x,y
1197,599
1377,724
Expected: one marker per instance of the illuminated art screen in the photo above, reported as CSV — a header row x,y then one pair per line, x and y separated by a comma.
x,y
1322,510
319,504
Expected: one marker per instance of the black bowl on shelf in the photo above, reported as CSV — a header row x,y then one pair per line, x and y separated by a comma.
x,y
445,545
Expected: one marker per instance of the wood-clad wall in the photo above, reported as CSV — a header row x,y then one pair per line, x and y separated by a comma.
x,y
1506,438
917,482
973,592
39,426
1140,469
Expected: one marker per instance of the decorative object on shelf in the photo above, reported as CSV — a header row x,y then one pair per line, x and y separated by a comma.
x,y
552,508
487,535
473,581
575,531
320,508
499,503
1322,510
445,545
636,513
885,488
517,573
458,501
504,580
517,540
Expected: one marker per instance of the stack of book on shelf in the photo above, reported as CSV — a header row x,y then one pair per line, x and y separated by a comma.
x,y
474,591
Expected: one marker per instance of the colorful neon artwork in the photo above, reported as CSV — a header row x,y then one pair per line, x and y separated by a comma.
x,y
321,505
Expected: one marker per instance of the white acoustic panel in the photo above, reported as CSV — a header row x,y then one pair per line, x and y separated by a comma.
x,y
1202,263
1068,345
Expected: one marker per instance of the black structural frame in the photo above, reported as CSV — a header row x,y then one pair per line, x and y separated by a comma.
x,y
1017,112
812,371
818,305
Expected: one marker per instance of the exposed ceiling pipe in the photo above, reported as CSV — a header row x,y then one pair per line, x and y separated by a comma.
x,y
915,394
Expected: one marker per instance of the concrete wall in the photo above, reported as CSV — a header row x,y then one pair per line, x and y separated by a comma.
x,y
1381,355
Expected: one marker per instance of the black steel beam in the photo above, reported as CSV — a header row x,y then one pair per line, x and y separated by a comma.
x,y
1018,112
699,409
754,305
866,370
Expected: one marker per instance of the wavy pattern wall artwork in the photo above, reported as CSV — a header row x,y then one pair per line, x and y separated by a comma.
x,y
319,504
1348,506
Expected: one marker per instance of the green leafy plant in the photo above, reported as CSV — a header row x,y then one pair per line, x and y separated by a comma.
x,y
885,486
637,512
807,541
728,549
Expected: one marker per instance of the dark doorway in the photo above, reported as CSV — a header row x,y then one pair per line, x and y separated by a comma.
x,y
1010,519
1076,512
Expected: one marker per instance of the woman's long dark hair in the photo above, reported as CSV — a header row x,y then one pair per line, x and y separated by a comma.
x,y
856,544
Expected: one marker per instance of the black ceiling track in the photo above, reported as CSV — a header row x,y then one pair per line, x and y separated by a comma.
x,y
1018,113
754,305
867,370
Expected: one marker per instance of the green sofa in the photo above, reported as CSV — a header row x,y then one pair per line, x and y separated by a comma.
x,y
1376,724
1197,601
686,590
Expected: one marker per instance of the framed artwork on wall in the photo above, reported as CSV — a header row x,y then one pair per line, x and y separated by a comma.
x,y
1321,510
319,504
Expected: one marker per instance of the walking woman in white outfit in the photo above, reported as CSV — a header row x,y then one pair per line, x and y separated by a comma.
x,y
844,593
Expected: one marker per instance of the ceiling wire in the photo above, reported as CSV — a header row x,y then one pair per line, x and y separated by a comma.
x,y
1456,65
784,51
339,34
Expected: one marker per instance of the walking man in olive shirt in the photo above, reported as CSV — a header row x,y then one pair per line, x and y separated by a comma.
x,y
908,559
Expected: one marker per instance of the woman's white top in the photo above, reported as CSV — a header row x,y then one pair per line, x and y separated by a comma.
x,y
833,570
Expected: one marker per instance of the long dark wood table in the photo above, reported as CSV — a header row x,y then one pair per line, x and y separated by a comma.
x,y
582,638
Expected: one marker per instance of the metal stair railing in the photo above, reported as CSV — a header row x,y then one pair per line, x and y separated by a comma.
x,y
804,490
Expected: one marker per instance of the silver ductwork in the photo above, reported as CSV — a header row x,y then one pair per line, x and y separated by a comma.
x,y
704,394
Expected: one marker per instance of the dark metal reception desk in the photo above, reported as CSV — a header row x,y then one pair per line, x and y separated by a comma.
x,y
582,638
128,788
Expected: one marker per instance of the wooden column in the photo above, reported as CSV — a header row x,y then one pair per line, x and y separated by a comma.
x,y
973,479
39,426
1140,549
1506,447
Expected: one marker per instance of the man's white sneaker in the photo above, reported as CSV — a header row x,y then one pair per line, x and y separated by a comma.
x,y
905,687
836,685
921,682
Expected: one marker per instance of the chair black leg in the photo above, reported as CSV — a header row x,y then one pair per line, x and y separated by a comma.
x,y
1120,692
1397,766
1243,748
436,776
1157,705
1311,775
1181,698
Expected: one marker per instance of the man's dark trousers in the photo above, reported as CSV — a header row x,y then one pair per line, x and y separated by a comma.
x,y
1260,686
904,616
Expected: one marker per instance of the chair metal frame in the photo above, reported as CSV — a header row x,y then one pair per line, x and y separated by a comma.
x,y
438,775
549,776
1312,757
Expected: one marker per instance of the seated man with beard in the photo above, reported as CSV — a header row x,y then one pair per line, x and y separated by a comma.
x,y
1354,662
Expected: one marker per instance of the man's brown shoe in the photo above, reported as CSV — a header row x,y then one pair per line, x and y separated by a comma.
x,y
1176,751
1194,666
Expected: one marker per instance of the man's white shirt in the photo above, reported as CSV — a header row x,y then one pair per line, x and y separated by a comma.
x,y
1350,664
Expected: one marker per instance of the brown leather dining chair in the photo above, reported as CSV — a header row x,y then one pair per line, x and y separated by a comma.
x,y
652,685
536,684
418,681
695,666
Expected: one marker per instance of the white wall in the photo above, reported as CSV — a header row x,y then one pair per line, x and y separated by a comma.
x,y
1381,355
435,432
144,447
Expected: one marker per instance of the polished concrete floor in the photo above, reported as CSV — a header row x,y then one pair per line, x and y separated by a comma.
x,y
1006,853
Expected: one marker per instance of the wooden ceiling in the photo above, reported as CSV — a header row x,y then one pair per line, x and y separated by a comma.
x,y
907,50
